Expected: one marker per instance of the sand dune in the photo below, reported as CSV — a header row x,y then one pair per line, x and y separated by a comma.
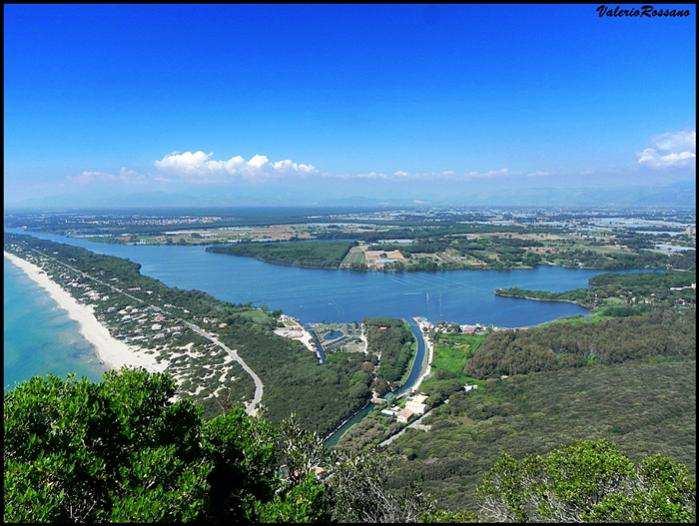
x,y
114,353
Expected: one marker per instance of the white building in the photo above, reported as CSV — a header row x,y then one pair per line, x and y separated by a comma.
x,y
416,404
404,415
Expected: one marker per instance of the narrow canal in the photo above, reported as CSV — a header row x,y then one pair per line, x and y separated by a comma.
x,y
320,351
415,371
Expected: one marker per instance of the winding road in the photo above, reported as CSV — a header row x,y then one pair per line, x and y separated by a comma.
x,y
251,407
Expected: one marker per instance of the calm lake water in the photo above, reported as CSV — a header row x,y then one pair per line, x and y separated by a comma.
x,y
465,296
39,338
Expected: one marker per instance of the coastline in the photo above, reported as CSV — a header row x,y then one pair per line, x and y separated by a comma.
x,y
113,353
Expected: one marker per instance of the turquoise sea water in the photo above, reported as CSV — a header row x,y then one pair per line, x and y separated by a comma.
x,y
38,336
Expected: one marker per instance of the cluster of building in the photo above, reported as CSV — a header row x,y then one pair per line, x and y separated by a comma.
x,y
455,328
414,406
379,259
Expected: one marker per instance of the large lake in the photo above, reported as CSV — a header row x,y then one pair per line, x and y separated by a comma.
x,y
465,296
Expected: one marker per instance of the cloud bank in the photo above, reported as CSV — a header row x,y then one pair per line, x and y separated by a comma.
x,y
125,175
670,150
673,150
201,165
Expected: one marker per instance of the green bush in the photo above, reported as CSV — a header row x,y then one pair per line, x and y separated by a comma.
x,y
589,481
121,450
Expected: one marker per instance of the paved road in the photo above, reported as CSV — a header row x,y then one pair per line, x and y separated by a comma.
x,y
415,425
251,408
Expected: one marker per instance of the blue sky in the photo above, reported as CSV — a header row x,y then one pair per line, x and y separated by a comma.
x,y
253,98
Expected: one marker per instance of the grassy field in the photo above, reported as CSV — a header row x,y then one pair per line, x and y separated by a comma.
x,y
452,351
354,257
451,354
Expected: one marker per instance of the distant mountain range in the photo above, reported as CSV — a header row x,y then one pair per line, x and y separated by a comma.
x,y
681,194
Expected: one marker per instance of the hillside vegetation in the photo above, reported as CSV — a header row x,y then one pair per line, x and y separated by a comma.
x,y
123,450
662,333
645,408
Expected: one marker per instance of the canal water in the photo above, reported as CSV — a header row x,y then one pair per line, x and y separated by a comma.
x,y
415,370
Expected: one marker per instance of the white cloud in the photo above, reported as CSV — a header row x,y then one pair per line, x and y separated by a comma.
x,y
201,165
400,173
187,162
288,165
257,162
682,140
670,150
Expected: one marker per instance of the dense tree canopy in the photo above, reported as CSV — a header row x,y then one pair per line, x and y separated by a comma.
x,y
313,254
391,339
661,333
122,450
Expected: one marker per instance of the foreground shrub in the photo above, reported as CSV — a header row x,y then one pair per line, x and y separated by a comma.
x,y
590,481
122,450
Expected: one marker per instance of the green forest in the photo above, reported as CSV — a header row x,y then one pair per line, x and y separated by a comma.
x,y
561,345
391,339
311,254
643,407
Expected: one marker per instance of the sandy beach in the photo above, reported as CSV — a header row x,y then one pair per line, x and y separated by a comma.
x,y
113,353
295,331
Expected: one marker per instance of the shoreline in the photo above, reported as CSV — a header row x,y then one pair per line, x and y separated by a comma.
x,y
113,353
429,347
534,298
